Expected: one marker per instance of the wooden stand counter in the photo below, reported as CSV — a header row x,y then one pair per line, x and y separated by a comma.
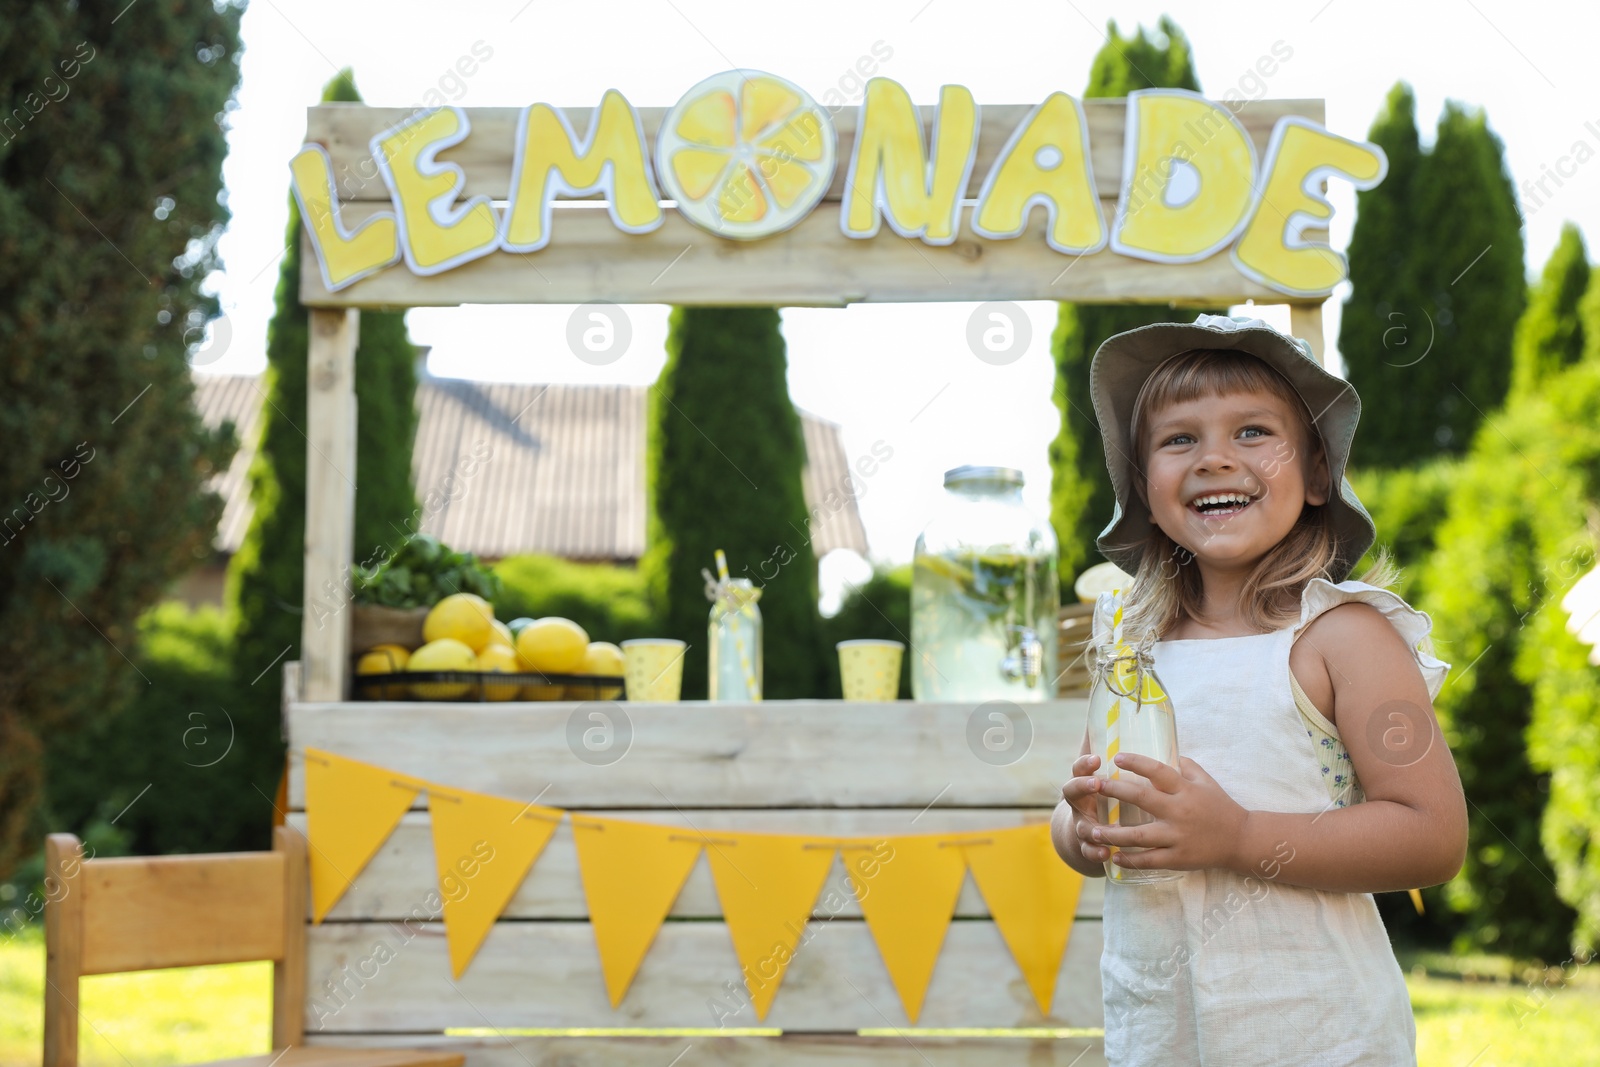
x,y
824,767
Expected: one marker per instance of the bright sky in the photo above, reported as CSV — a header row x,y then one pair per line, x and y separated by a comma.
x,y
900,374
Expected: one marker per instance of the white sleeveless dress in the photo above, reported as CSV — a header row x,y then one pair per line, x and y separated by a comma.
x,y
1223,970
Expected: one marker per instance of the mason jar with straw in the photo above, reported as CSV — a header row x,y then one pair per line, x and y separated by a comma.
x,y
734,635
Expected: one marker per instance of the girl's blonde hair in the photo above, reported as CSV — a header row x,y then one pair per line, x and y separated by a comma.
x,y
1167,586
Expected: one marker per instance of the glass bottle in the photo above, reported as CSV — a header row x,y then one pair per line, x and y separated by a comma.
x,y
1129,711
985,598
734,638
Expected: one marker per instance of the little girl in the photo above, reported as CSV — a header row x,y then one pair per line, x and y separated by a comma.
x,y
1313,772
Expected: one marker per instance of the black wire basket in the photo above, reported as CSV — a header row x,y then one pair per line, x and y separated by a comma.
x,y
485,686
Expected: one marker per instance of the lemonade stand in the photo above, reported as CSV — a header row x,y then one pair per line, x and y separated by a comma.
x,y
607,881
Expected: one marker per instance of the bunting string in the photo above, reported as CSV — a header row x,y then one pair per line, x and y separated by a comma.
x,y
632,872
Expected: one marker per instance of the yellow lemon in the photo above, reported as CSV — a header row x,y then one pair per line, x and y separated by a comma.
x,y
1101,578
384,659
1124,675
553,645
499,659
463,617
543,692
501,636
601,657
445,654
745,154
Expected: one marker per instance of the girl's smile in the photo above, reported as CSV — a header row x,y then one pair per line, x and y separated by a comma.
x,y
1228,475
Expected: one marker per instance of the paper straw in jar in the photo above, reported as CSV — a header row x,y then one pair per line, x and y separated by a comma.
x,y
1113,738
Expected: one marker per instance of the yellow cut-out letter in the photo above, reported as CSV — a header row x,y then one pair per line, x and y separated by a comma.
x,y
1187,178
551,159
434,235
1046,162
346,256
889,170
1300,155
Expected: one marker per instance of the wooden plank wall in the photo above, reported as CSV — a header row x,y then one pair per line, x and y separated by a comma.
x,y
812,264
806,767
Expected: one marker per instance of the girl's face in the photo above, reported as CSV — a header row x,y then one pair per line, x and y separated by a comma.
x,y
1228,476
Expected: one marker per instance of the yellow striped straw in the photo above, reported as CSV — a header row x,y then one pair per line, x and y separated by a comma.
x,y
1113,739
751,685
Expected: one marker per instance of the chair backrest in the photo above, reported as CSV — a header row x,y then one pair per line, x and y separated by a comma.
x,y
105,916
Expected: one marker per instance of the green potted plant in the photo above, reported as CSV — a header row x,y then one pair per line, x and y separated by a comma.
x,y
393,597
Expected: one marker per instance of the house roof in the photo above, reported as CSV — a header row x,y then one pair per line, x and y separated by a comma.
x,y
502,468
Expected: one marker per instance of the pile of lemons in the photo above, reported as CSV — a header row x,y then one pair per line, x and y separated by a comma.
x,y
462,634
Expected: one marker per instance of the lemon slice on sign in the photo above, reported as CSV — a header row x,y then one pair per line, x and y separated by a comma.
x,y
746,154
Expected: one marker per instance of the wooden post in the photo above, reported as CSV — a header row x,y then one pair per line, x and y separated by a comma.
x,y
63,938
1305,320
289,973
330,502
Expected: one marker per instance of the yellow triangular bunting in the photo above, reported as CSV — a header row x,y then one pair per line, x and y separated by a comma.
x,y
908,892
483,847
1033,897
351,809
767,884
632,872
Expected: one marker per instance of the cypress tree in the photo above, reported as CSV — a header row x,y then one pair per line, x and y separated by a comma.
x,y
265,579
725,454
1589,320
1464,251
1550,335
1384,329
1081,498
1472,269
111,147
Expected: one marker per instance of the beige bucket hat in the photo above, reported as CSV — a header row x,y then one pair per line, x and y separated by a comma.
x,y
1123,363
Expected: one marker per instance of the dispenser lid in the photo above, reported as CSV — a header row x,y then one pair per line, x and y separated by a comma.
x,y
964,475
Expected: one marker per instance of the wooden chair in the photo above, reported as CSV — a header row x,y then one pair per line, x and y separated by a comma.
x,y
105,916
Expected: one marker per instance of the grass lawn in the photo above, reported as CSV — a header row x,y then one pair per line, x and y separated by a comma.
x,y
1474,1010
129,1020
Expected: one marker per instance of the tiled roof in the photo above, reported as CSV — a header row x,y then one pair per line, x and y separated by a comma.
x,y
236,398
503,468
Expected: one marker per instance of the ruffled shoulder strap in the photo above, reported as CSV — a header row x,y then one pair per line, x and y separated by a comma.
x,y
1415,626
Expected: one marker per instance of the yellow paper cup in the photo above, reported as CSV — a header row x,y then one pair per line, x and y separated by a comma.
x,y
870,670
652,668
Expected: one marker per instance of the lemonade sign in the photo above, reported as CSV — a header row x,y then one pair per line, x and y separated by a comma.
x,y
746,156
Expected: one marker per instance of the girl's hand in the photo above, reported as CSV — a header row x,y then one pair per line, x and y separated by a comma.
x,y
1198,825
1082,793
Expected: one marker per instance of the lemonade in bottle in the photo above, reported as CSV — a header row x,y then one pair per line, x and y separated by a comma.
x,y
1129,711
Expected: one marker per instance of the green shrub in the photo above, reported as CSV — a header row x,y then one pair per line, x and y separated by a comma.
x,y
1510,545
167,766
609,602
879,608
23,895
1563,735
1406,505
